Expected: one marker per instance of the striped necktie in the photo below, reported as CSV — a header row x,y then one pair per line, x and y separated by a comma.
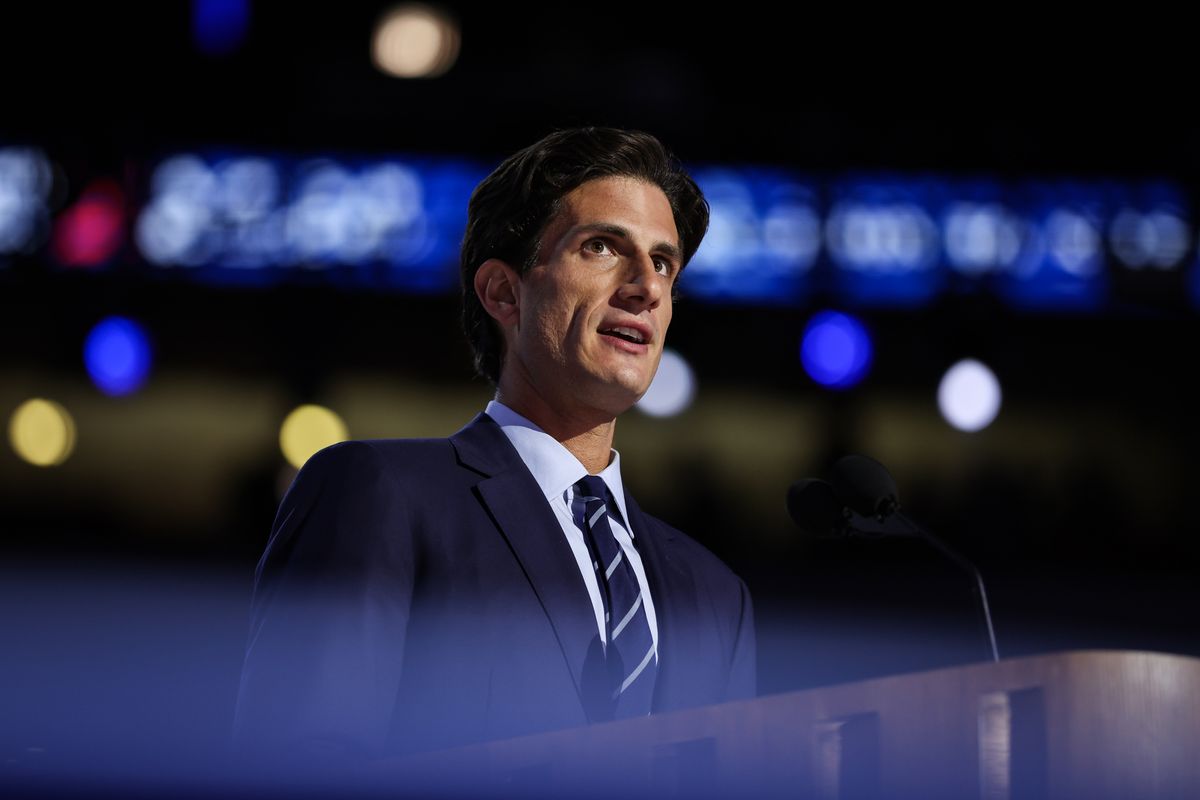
x,y
629,655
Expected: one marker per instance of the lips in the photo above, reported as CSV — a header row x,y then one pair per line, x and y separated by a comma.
x,y
628,334
627,330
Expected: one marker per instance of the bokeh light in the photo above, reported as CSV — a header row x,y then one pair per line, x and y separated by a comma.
x,y
180,224
25,181
42,432
764,236
1158,239
219,26
884,242
89,233
672,389
835,350
415,41
307,429
338,216
117,356
980,238
969,395
1073,242
886,238
238,219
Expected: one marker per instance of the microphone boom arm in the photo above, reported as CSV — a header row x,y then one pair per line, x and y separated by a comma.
x,y
965,563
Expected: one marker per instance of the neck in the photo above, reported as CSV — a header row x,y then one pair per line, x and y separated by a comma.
x,y
588,435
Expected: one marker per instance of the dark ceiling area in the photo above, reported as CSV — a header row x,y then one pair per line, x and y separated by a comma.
x,y
818,89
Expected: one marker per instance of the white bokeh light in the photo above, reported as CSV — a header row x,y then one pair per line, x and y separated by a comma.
x,y
792,233
248,188
672,389
981,238
415,41
890,238
250,212
25,179
1073,242
969,395
175,227
1158,239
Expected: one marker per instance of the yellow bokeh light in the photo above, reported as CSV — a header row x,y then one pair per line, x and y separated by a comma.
x,y
308,429
42,432
415,41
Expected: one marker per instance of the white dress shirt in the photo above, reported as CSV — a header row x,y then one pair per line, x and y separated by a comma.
x,y
557,471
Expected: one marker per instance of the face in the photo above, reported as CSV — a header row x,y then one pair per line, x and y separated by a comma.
x,y
595,309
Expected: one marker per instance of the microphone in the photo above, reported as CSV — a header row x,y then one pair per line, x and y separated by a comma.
x,y
866,486
814,506
862,500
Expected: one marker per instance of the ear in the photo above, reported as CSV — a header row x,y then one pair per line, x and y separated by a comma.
x,y
498,288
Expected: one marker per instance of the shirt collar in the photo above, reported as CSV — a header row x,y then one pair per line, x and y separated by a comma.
x,y
554,467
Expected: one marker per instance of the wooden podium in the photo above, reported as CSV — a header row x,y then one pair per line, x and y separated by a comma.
x,y
1086,725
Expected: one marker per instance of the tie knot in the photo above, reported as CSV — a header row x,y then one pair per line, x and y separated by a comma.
x,y
593,486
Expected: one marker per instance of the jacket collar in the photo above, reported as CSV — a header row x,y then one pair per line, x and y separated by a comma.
x,y
508,491
515,503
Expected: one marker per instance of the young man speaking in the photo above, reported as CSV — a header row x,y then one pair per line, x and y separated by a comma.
x,y
418,594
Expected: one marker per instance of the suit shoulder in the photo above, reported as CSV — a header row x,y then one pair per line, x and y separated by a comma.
x,y
381,452
359,478
354,500
366,461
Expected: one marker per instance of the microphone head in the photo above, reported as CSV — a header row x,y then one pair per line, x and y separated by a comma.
x,y
865,486
814,507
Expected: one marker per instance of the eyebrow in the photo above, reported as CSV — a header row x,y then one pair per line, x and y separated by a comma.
x,y
663,248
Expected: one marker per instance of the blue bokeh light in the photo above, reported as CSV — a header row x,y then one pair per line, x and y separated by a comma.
x,y
1062,263
884,241
219,26
763,240
117,356
776,237
835,350
257,220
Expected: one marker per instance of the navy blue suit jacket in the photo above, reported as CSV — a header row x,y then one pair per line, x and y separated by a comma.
x,y
417,594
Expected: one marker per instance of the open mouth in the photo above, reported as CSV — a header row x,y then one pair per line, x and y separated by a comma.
x,y
626,334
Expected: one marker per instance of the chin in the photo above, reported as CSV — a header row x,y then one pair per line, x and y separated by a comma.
x,y
615,397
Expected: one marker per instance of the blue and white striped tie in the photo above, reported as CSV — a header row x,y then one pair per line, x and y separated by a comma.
x,y
629,655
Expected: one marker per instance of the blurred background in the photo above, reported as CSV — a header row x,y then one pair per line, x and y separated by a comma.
x,y
229,232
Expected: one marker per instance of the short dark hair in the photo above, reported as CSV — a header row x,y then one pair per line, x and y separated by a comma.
x,y
511,208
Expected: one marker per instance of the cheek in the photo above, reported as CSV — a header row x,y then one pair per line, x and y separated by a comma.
x,y
545,331
566,319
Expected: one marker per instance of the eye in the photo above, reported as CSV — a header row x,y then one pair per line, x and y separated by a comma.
x,y
662,265
597,247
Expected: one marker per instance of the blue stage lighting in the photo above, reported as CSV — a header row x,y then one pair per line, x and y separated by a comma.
x,y
219,26
835,350
763,240
884,241
1061,265
117,356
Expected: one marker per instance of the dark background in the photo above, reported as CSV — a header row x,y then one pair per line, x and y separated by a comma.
x,y
126,578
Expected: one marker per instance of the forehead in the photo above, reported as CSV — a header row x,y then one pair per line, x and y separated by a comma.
x,y
634,204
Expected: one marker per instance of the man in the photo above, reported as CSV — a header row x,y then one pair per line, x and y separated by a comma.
x,y
425,593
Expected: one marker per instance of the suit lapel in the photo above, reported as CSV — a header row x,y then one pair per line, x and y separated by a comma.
x,y
515,502
674,593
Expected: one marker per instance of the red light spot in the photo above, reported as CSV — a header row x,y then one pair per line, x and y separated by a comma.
x,y
89,233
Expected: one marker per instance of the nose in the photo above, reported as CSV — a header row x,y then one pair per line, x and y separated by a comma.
x,y
644,286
